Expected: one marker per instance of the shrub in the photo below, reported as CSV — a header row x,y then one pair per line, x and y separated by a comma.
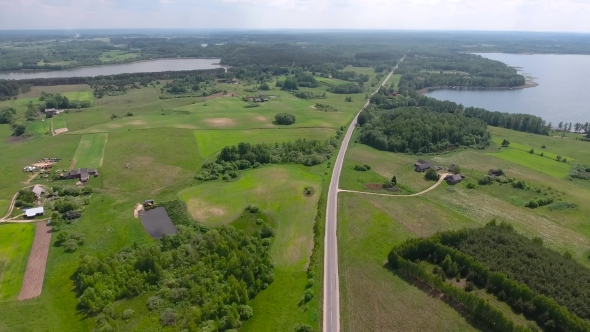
x,y
284,119
519,185
532,151
307,295
252,209
360,168
114,116
532,204
543,147
168,317
431,174
127,314
308,191
470,186
469,286
71,215
302,328
505,143
154,303
70,245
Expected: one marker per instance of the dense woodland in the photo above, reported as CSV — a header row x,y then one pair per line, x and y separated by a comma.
x,y
546,286
389,99
198,279
417,130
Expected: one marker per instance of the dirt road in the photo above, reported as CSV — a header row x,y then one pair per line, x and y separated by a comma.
x,y
35,273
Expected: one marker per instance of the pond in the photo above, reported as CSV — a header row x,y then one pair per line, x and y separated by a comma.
x,y
134,67
560,96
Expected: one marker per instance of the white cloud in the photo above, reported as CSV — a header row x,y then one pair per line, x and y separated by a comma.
x,y
533,15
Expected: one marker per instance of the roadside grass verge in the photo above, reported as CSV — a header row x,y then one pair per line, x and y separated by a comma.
x,y
212,141
90,151
533,161
372,297
15,244
278,191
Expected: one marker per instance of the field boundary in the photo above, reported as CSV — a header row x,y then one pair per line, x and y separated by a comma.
x,y
33,281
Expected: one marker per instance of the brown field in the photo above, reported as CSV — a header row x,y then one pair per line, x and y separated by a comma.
x,y
221,122
35,273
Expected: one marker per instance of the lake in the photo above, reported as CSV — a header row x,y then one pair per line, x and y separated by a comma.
x,y
134,67
560,96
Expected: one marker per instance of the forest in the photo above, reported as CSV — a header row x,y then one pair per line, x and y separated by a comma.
x,y
416,130
198,279
546,286
386,99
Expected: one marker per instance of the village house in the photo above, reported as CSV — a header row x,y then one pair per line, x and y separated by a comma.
x,y
82,173
422,166
49,112
453,179
32,213
38,191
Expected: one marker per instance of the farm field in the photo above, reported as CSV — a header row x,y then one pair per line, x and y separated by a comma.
x,y
372,297
278,191
212,141
58,122
533,161
115,55
90,151
80,95
15,245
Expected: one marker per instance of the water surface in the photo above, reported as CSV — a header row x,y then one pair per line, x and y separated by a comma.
x,y
562,93
134,67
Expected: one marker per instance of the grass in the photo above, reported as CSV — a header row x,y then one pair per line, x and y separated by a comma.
x,y
115,55
80,95
372,297
90,151
278,191
533,161
212,141
15,244
39,128
58,122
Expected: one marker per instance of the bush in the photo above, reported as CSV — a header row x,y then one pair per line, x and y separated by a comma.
x,y
308,191
431,174
71,215
543,147
308,295
114,116
284,119
168,317
70,245
154,303
470,186
127,314
360,168
252,209
469,286
302,328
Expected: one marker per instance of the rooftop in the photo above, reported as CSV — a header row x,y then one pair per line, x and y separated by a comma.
x,y
34,211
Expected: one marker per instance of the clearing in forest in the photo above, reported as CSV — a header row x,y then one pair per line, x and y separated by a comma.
x,y
90,151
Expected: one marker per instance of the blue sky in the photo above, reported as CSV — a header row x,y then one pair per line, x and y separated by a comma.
x,y
510,15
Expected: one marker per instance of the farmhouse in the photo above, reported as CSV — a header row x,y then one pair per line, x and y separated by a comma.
x,y
32,213
49,112
454,178
422,166
38,191
82,173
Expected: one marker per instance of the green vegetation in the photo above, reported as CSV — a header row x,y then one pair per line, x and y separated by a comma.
x,y
90,151
79,95
15,245
531,278
541,164
416,130
284,119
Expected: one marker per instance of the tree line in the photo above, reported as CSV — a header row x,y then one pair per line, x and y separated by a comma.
x,y
386,98
201,279
233,158
419,130
544,285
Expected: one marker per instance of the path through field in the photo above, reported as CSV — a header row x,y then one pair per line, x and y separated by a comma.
x,y
440,180
33,280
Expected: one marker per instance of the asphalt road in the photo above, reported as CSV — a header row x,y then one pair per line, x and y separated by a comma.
x,y
331,283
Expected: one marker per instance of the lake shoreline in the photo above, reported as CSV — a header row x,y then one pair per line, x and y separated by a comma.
x,y
33,71
529,83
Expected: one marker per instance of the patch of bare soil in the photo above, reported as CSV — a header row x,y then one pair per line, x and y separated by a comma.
x,y
202,211
260,118
137,123
19,139
220,122
373,186
60,131
35,273
137,210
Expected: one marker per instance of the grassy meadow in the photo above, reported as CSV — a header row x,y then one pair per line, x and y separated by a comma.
x,y
90,151
80,95
15,245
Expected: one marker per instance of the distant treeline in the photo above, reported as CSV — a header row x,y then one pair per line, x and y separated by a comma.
x,y
419,130
545,286
11,88
431,68
387,99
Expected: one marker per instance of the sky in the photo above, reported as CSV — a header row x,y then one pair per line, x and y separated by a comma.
x,y
493,15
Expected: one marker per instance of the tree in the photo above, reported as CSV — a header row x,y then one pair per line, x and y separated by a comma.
x,y
456,169
284,119
560,125
558,158
264,87
431,174
532,151
18,128
505,143
394,180
289,84
7,115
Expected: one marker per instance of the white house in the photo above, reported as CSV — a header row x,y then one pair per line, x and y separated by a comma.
x,y
32,213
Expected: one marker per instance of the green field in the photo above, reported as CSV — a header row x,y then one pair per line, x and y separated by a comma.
x,y
15,245
90,151
115,55
40,128
372,297
80,95
211,141
544,165
278,192
527,149
58,122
